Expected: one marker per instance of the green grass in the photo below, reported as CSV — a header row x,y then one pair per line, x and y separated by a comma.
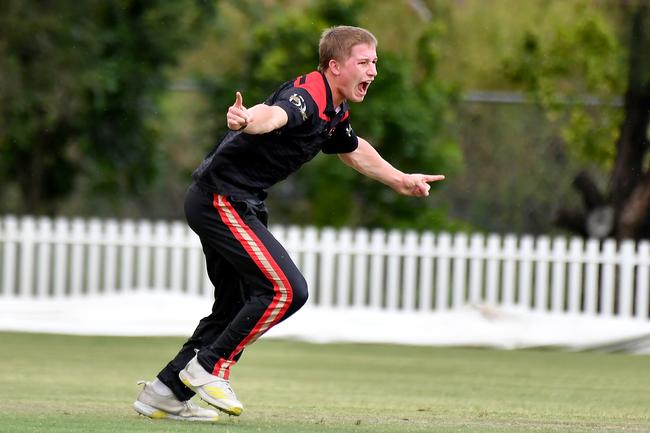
x,y
54,383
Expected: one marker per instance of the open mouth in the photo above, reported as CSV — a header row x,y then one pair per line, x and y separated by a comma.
x,y
363,87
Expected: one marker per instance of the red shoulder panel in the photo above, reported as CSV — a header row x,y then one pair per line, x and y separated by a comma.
x,y
315,86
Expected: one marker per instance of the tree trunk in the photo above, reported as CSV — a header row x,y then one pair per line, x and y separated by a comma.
x,y
633,219
632,142
628,197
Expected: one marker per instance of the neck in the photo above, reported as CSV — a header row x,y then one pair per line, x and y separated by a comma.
x,y
337,96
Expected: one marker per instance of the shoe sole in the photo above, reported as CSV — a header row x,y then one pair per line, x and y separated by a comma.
x,y
153,413
235,411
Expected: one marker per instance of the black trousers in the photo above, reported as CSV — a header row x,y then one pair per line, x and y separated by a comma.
x,y
256,284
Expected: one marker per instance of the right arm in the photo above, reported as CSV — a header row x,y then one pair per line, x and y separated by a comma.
x,y
259,119
367,161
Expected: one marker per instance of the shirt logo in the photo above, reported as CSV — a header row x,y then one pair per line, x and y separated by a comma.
x,y
299,102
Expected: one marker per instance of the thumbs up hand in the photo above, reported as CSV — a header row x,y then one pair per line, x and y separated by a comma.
x,y
238,116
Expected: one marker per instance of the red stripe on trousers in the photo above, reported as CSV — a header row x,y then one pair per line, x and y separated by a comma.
x,y
257,329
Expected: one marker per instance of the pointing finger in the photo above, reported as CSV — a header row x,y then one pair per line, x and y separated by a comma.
x,y
432,177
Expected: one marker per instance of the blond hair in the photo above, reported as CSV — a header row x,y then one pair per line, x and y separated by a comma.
x,y
337,42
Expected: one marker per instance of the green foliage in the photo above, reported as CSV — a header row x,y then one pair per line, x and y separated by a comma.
x,y
591,137
560,63
78,89
403,116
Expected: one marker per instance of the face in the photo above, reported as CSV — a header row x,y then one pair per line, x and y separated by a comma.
x,y
353,77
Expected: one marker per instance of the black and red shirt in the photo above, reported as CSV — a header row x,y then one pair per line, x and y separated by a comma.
x,y
246,165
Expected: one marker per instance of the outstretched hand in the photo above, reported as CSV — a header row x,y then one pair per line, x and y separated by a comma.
x,y
238,116
417,185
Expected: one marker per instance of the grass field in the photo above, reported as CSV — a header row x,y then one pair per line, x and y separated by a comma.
x,y
53,383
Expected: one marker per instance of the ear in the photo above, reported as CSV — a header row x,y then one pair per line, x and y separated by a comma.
x,y
334,67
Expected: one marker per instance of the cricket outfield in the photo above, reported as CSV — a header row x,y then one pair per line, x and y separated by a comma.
x,y
56,383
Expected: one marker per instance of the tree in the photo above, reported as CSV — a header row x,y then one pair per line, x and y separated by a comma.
x,y
587,57
629,191
79,86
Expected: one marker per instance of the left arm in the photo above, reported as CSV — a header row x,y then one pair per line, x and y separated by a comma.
x,y
367,161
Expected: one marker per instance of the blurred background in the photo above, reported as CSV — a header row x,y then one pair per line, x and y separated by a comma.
x,y
536,111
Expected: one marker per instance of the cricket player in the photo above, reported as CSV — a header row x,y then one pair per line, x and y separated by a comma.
x,y
256,284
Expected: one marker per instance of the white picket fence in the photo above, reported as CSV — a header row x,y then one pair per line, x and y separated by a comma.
x,y
394,270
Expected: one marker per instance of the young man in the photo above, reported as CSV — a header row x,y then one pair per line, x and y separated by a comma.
x,y
256,283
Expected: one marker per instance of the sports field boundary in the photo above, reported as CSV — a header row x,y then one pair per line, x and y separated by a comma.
x,y
160,313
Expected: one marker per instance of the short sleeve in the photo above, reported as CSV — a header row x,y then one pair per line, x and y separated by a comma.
x,y
343,140
298,104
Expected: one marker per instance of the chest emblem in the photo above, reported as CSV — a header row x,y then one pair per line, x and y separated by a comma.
x,y
299,102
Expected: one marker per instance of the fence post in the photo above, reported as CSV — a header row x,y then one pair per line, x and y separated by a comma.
x,y
327,255
642,283
558,268
392,277
377,246
576,252
609,257
9,257
61,235
477,251
493,250
110,257
541,274
292,243
626,275
591,281
509,262
459,283
409,276
177,264
526,271
43,274
344,246
26,274
127,234
361,238
77,265
442,272
161,231
427,251
144,238
95,237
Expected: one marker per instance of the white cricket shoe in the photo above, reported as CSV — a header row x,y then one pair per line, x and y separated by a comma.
x,y
212,389
157,406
